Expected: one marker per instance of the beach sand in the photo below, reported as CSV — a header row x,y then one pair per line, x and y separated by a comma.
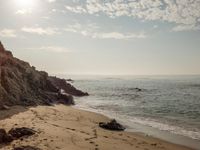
x,y
62,127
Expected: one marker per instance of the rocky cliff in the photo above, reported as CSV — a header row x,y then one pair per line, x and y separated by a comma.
x,y
22,84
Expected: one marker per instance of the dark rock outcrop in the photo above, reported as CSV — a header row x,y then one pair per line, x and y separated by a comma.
x,y
112,125
70,80
62,84
14,134
138,89
4,137
22,84
65,98
20,132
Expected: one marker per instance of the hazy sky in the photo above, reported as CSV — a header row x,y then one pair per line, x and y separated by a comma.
x,y
139,37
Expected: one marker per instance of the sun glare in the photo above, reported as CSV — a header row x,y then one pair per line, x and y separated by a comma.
x,y
25,3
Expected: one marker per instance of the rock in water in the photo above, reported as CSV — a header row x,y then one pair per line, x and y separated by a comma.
x,y
68,88
65,98
20,132
112,125
138,89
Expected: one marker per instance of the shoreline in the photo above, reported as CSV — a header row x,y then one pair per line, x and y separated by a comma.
x,y
60,127
151,131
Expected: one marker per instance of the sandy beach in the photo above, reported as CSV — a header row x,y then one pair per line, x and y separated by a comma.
x,y
62,127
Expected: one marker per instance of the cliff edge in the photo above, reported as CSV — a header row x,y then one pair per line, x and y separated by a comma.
x,y
22,84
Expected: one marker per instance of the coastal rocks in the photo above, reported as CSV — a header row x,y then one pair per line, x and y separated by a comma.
x,y
15,134
65,98
68,88
138,89
26,148
112,125
21,84
4,137
70,80
135,89
3,51
4,107
20,132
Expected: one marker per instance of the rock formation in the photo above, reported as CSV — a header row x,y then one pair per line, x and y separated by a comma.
x,y
112,125
22,84
17,133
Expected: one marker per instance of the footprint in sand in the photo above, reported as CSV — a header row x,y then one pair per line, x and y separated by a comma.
x,y
96,145
154,144
73,129
70,129
95,133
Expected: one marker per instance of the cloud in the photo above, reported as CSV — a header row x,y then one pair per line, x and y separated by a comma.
x,y
92,30
23,11
76,9
40,31
181,12
118,35
9,33
54,49
185,28
51,1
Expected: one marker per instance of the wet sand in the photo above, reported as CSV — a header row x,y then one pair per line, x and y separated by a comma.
x,y
62,127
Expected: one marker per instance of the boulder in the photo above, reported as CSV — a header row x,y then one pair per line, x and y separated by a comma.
x,y
65,98
112,125
138,89
20,132
4,137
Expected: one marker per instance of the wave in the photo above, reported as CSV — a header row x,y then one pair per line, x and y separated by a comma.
x,y
167,127
156,124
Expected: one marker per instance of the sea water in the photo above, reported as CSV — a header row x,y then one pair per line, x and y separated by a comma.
x,y
165,103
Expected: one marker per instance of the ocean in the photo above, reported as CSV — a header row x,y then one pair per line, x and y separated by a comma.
x,y
163,103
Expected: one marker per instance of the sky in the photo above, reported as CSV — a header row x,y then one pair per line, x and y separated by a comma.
x,y
104,37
